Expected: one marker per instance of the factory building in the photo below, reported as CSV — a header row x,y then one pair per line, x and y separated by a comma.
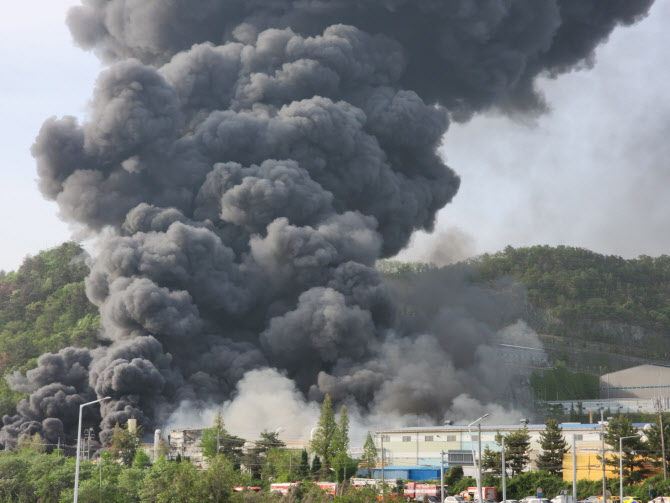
x,y
643,381
414,448
643,389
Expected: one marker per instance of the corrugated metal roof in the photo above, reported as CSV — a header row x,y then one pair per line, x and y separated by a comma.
x,y
495,427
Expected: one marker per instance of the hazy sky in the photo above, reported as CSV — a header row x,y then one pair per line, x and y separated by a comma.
x,y
592,172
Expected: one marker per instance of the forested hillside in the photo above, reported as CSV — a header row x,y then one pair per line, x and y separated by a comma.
x,y
43,307
584,305
575,298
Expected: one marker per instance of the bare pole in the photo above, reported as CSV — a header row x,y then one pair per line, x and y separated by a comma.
x,y
76,473
602,434
442,475
383,481
574,468
479,462
504,471
660,420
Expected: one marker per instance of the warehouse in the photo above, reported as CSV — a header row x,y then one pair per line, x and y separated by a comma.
x,y
414,448
643,381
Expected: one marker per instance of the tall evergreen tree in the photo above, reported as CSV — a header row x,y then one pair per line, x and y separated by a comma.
x,y
553,446
517,449
303,470
633,461
492,461
325,434
341,436
316,465
655,446
369,458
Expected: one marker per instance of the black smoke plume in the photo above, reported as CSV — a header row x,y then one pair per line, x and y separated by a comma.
x,y
250,161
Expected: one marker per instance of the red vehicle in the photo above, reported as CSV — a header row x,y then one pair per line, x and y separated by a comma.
x,y
416,491
239,489
488,493
330,487
284,487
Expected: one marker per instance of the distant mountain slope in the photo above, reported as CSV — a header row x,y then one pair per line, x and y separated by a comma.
x,y
43,307
610,304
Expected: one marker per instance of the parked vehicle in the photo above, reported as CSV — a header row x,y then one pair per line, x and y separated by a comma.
x,y
660,499
284,487
590,499
455,499
472,493
415,491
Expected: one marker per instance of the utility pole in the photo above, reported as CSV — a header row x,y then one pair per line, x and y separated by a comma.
x,y
479,467
660,420
442,475
574,469
383,481
602,435
504,471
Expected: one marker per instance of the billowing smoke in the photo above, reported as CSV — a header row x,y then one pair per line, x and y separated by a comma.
x,y
247,162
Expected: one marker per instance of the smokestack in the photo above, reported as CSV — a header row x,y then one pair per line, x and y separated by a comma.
x,y
132,425
249,165
157,441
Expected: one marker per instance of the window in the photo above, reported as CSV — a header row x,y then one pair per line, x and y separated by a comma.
x,y
459,458
577,437
451,438
386,438
406,438
429,438
475,438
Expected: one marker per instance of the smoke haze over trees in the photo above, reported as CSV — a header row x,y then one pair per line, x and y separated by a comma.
x,y
248,163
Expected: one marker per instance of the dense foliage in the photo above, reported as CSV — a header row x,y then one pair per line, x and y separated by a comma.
x,y
43,308
577,285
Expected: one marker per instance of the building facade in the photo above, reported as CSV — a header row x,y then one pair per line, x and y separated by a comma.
x,y
421,446
644,381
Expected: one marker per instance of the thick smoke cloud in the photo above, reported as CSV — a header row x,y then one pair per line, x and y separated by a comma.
x,y
249,162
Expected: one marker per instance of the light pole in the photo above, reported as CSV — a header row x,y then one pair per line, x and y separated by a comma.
x,y
442,475
76,472
621,466
602,434
478,466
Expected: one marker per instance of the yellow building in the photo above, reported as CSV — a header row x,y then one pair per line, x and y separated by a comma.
x,y
589,466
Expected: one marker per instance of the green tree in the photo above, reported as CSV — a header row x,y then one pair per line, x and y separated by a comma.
x,y
326,432
369,458
344,466
341,435
217,440
281,465
141,459
254,458
303,470
216,483
34,443
492,461
517,449
316,465
633,461
655,446
553,446
125,443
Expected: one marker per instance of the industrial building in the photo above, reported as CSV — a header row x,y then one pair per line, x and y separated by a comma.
x,y
643,381
644,388
419,447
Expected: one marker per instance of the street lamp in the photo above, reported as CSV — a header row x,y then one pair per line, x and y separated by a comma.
x,y
76,472
602,434
621,467
478,466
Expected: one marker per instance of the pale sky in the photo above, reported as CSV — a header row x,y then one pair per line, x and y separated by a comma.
x,y
593,172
